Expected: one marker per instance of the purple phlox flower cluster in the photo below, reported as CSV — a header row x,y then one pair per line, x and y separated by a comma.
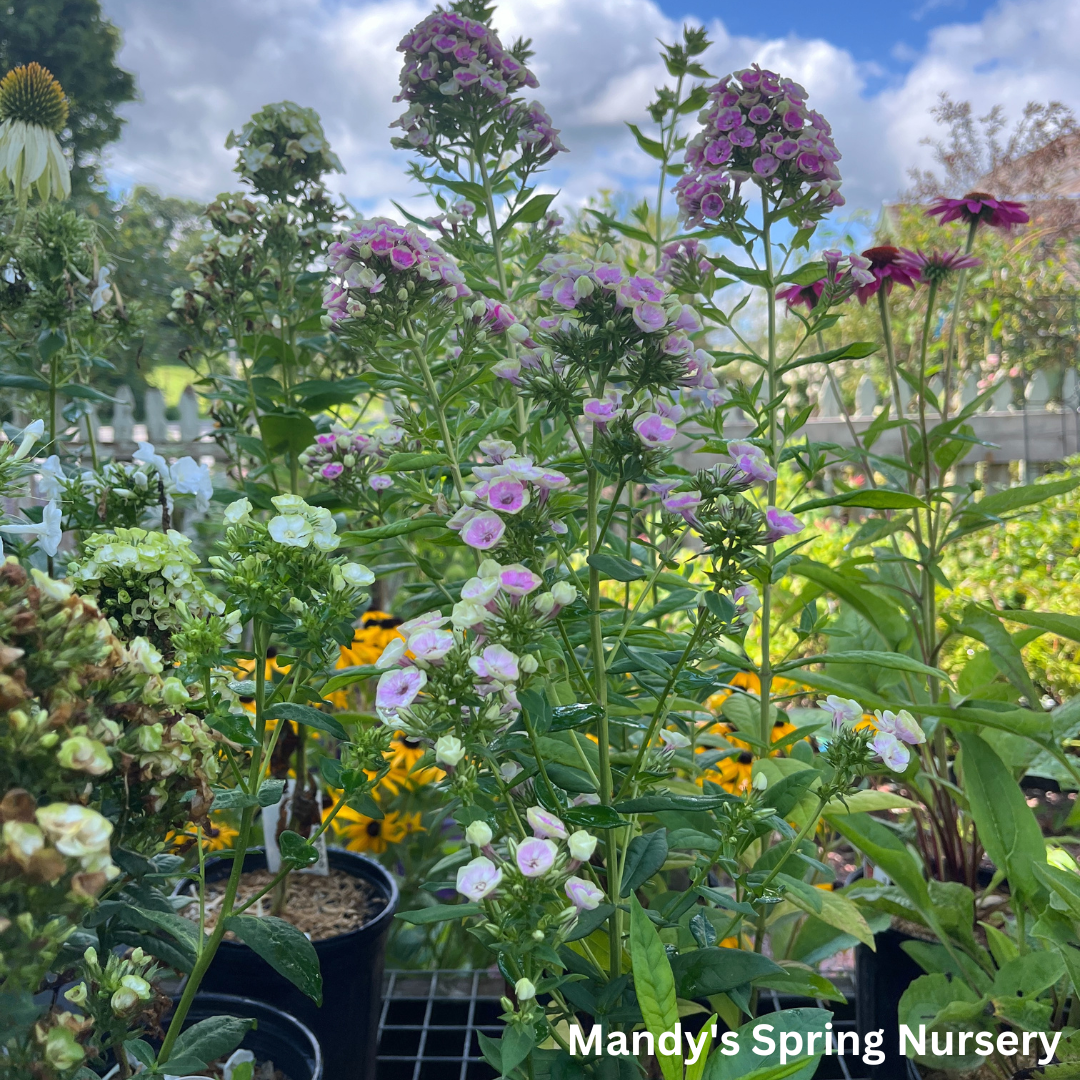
x,y
844,275
979,208
757,126
751,462
470,632
507,486
602,411
450,56
701,382
460,211
842,711
895,733
574,279
683,258
537,135
536,857
381,260
780,523
497,318
347,458
682,503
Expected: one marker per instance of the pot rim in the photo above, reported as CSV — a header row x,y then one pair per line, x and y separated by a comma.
x,y
287,1021
379,876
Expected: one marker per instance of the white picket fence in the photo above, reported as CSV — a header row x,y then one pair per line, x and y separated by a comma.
x,y
192,435
1022,439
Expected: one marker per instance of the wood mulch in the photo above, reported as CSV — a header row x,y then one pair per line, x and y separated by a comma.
x,y
320,907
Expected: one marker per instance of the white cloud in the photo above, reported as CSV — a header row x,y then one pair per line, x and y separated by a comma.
x,y
204,66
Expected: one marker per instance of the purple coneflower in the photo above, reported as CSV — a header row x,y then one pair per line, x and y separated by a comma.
x,y
935,266
976,208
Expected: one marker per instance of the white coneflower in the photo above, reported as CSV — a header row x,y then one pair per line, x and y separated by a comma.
x,y
33,111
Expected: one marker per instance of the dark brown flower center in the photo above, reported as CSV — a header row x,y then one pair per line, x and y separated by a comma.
x,y
374,828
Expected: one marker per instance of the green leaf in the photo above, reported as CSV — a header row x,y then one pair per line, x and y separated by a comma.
x,y
644,857
305,714
651,147
514,1046
855,351
210,1039
874,499
654,983
830,907
293,432
616,567
988,628
654,804
270,792
867,802
1001,502
17,1012
1066,626
439,913
750,1064
722,899
883,847
878,610
1007,826
1029,974
237,729
284,948
388,532
630,231
24,382
296,851
588,921
532,211
924,1002
714,970
414,462
592,817
184,930
870,658
806,274
348,677
142,1052
50,341
233,799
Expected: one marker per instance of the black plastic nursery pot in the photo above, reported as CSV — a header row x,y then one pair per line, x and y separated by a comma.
x,y
352,970
881,977
277,1037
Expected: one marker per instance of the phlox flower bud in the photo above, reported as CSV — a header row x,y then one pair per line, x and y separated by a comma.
x,y
581,845
564,593
584,895
449,751
545,824
524,990
478,834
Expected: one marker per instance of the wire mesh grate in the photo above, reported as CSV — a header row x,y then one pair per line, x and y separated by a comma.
x,y
430,1020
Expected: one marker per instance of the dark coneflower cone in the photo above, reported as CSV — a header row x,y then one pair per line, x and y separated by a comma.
x,y
31,94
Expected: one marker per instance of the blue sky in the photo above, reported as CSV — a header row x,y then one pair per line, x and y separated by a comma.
x,y
891,36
